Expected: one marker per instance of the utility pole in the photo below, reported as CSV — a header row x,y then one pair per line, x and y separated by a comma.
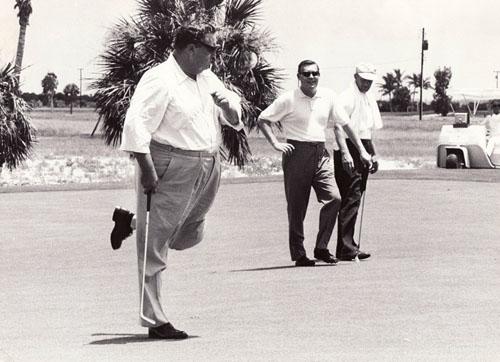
x,y
425,46
496,75
80,93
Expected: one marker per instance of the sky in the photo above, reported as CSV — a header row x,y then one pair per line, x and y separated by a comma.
x,y
66,35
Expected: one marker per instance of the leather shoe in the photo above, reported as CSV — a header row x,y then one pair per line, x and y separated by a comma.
x,y
122,229
324,255
361,255
166,331
305,261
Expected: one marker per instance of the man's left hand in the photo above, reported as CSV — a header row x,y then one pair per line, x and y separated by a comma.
x,y
220,100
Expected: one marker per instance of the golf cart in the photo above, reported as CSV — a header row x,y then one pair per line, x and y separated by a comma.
x,y
466,144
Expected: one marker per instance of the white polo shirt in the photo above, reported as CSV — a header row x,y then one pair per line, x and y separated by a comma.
x,y
171,108
306,118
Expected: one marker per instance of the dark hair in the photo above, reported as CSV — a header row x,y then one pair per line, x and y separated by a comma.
x,y
186,35
306,62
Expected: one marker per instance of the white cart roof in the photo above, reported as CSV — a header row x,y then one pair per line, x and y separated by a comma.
x,y
476,96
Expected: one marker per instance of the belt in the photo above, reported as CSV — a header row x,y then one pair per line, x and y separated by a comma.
x,y
306,143
180,151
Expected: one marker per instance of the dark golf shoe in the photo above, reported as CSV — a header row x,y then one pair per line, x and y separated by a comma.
x,y
305,261
324,255
361,255
166,331
122,229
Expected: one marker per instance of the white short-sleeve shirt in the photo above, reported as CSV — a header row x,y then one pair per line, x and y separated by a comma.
x,y
305,118
172,108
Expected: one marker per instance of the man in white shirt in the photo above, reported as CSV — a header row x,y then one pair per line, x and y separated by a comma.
x,y
173,129
350,172
305,114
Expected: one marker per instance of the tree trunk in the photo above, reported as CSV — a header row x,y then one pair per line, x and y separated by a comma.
x,y
20,49
51,101
71,107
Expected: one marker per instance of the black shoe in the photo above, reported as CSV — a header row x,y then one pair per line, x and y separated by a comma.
x,y
122,229
361,255
324,255
305,261
166,331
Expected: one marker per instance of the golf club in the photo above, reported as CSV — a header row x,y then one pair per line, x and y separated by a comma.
x,y
148,207
364,180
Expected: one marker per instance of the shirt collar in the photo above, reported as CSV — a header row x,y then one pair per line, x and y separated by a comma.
x,y
179,74
319,93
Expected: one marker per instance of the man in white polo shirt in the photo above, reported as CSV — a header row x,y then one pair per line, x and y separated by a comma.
x,y
350,173
305,113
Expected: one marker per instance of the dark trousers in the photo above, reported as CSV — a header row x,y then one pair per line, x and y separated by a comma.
x,y
309,165
350,188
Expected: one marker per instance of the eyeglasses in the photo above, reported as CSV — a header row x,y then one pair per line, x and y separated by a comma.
x,y
308,74
211,49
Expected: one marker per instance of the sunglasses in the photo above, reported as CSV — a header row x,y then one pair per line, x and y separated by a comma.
x,y
211,49
308,74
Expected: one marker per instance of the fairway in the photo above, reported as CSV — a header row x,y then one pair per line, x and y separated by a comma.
x,y
430,292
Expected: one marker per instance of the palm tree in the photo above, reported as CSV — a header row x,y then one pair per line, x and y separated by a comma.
x,y
24,12
398,78
71,91
49,85
137,44
388,87
414,81
16,132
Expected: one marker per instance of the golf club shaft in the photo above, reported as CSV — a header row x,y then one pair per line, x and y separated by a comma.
x,y
146,236
364,181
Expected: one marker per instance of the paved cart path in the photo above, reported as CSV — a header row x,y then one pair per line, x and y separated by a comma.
x,y
430,292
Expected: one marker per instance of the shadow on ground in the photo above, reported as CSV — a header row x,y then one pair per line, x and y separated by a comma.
x,y
277,267
126,338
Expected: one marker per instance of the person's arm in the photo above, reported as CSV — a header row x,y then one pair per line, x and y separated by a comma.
x,y
365,156
340,117
265,127
149,178
145,112
347,161
374,167
231,110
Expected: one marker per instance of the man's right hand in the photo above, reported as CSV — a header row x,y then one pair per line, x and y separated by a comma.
x,y
149,181
366,158
149,178
283,147
347,162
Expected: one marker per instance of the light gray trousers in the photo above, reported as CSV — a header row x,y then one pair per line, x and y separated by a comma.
x,y
188,183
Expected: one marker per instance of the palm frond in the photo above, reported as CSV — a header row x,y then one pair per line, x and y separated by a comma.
x,y
16,131
243,13
137,44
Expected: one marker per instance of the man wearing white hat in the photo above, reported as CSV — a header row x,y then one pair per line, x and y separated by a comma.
x,y
350,173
